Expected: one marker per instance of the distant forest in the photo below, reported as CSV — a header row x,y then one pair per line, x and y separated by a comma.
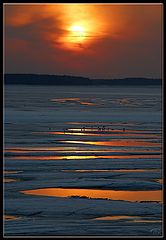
x,y
41,79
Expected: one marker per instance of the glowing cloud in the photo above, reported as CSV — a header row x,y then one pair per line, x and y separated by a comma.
x,y
84,39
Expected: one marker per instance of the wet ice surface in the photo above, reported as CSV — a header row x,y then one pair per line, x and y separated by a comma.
x,y
65,126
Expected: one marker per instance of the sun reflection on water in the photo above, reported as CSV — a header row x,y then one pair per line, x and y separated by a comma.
x,y
76,157
103,194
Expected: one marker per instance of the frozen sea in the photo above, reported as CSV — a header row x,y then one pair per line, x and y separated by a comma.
x,y
83,161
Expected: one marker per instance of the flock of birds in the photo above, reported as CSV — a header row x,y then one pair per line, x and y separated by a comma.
x,y
100,129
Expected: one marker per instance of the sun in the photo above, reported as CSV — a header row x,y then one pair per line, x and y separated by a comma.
x,y
78,30
77,34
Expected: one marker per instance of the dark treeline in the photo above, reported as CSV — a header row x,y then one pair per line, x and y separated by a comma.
x,y
41,79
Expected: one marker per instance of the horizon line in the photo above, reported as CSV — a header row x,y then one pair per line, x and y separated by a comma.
x,y
87,77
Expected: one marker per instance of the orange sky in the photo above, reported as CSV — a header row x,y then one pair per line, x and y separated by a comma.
x,y
94,40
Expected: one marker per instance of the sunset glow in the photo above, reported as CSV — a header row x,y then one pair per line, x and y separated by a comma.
x,y
83,86
62,32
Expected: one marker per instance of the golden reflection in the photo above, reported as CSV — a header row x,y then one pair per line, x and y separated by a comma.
x,y
132,218
9,217
8,180
11,172
87,103
63,100
77,100
119,142
116,217
75,157
146,221
159,181
20,151
103,194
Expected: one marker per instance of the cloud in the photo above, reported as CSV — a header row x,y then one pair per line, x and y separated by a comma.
x,y
120,40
